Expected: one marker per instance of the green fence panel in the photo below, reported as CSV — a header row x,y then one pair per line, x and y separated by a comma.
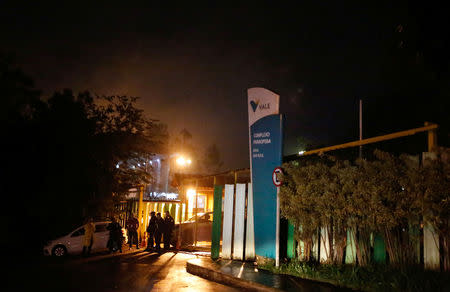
x,y
414,237
379,249
217,222
290,241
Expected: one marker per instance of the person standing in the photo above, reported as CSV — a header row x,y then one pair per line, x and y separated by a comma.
x,y
88,240
168,227
115,236
151,228
159,231
132,227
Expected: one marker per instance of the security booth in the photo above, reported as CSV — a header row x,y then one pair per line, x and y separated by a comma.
x,y
197,201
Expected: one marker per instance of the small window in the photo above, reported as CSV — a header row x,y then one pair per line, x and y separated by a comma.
x,y
79,232
100,228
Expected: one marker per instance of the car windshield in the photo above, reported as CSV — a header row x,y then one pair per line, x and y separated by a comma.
x,y
192,219
202,217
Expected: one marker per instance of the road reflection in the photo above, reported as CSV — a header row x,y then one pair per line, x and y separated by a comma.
x,y
133,271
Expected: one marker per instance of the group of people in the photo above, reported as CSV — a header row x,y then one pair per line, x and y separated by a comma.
x,y
159,227
115,236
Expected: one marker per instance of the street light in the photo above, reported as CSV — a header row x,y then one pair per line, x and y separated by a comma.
x,y
191,193
181,161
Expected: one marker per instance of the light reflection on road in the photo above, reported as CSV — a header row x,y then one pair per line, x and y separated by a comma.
x,y
133,271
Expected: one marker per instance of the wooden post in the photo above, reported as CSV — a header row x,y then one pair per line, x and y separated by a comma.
x,y
183,191
360,128
141,211
432,138
196,210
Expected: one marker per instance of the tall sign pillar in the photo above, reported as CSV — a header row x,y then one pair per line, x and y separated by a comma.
x,y
265,143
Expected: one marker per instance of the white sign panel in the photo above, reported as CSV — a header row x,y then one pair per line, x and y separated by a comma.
x,y
261,103
239,214
227,230
250,236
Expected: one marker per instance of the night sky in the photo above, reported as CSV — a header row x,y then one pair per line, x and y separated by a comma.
x,y
191,63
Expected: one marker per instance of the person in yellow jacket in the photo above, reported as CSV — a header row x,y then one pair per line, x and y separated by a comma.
x,y
89,229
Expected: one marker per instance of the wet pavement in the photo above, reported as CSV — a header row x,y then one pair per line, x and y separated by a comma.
x,y
130,271
249,273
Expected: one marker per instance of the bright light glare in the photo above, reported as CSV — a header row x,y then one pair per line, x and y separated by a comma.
x,y
181,161
190,193
301,152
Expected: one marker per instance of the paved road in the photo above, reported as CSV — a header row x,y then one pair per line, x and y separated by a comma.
x,y
136,271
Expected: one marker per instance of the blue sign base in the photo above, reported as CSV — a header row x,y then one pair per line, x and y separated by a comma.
x,y
266,147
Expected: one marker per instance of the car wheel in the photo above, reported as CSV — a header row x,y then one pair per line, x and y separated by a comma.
x,y
59,251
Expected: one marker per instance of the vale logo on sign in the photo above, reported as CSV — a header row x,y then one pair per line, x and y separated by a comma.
x,y
255,105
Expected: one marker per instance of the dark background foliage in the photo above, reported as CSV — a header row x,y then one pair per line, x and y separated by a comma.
x,y
60,157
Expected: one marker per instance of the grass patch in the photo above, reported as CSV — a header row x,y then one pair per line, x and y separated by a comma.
x,y
370,278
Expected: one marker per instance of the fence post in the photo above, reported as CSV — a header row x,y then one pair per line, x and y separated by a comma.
x,y
217,223
227,232
350,252
250,234
379,249
290,241
238,246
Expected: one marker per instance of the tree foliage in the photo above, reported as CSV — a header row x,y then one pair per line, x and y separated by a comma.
x,y
212,161
391,196
69,156
19,97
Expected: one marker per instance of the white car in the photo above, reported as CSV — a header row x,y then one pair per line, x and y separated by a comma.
x,y
72,243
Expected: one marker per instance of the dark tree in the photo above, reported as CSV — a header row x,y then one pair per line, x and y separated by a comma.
x,y
68,157
212,161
